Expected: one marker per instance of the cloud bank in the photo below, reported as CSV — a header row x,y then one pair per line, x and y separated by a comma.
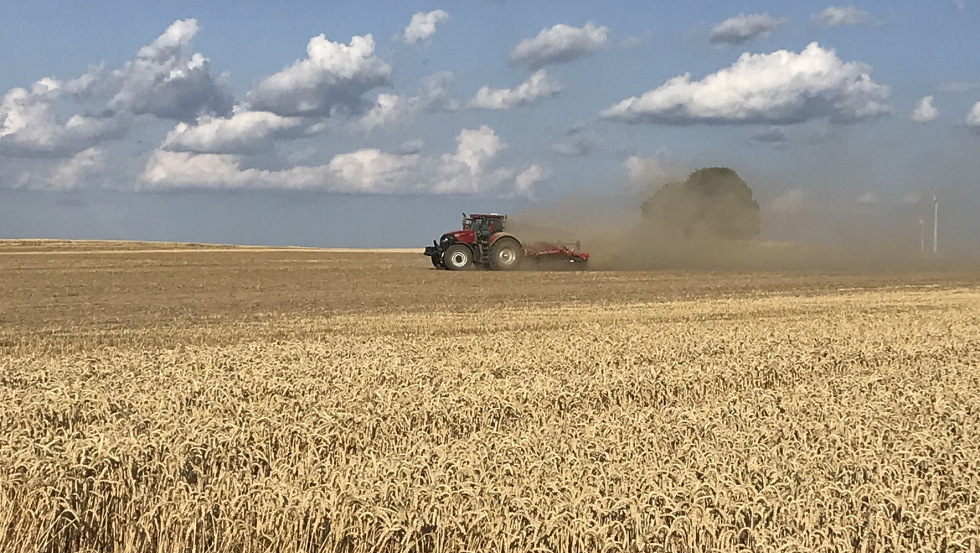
x,y
468,170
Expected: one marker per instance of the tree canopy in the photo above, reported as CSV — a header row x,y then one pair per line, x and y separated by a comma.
x,y
712,203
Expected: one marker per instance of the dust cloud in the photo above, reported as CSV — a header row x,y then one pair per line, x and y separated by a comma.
x,y
794,231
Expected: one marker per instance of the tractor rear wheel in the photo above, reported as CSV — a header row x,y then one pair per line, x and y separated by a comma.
x,y
506,254
458,258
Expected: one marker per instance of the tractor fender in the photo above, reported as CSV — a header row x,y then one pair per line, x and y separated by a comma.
x,y
500,235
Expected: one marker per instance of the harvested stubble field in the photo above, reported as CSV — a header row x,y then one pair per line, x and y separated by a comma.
x,y
169,398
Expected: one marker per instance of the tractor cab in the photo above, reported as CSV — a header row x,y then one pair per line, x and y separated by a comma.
x,y
485,226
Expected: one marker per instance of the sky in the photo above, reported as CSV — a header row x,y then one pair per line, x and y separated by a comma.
x,y
370,124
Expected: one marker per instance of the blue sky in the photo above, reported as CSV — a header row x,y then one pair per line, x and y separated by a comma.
x,y
118,116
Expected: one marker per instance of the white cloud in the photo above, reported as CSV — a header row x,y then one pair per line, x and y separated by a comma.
x,y
850,15
30,126
559,44
466,171
390,109
525,181
777,88
744,28
475,147
372,170
791,201
924,111
332,75
167,81
67,175
973,118
423,25
245,132
387,109
538,86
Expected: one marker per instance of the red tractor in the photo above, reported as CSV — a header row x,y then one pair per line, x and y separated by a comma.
x,y
484,242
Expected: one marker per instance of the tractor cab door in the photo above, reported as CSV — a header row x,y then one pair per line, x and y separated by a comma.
x,y
481,228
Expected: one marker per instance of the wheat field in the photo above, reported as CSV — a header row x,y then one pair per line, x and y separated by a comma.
x,y
289,400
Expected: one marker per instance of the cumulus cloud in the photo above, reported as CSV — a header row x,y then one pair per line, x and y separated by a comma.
x,y
743,28
778,88
167,81
423,25
390,109
924,111
30,124
245,132
850,15
973,118
525,181
69,174
559,44
332,75
538,86
387,109
466,171
372,170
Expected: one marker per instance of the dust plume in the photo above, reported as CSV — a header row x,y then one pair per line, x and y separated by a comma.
x,y
712,221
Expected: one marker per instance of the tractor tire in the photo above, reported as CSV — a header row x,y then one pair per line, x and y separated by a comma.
x,y
506,254
437,262
458,258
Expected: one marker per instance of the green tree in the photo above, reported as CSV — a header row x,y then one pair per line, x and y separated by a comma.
x,y
712,203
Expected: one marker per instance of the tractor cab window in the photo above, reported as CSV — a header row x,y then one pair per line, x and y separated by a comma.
x,y
467,224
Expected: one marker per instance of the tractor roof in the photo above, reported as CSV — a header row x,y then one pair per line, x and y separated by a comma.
x,y
487,216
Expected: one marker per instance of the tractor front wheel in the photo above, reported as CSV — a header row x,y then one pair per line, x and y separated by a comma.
x,y
506,255
458,258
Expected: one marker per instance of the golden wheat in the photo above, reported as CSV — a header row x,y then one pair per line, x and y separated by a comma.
x,y
845,421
